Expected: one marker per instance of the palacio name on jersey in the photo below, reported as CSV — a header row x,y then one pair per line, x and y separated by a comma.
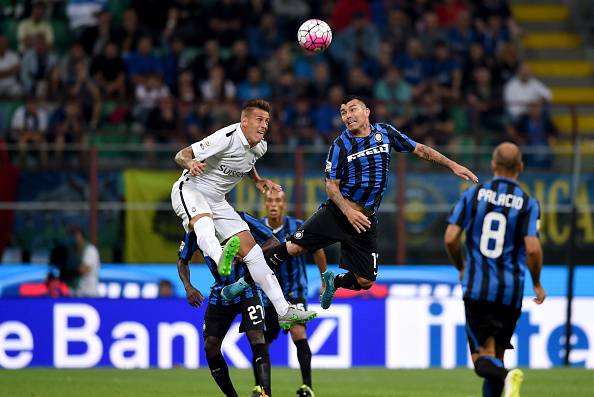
x,y
385,148
230,172
500,199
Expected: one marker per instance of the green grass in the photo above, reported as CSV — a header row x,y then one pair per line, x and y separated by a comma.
x,y
369,382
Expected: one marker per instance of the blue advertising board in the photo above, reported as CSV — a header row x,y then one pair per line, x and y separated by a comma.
x,y
412,318
396,332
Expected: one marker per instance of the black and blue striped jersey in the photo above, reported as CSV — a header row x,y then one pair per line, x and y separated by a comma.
x,y
291,274
362,164
261,234
496,216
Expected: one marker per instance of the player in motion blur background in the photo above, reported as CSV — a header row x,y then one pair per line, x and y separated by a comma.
x,y
501,223
213,167
356,176
221,313
292,277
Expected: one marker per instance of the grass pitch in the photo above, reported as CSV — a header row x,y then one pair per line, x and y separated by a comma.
x,y
368,382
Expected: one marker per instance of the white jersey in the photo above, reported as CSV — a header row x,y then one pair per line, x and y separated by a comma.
x,y
228,157
89,281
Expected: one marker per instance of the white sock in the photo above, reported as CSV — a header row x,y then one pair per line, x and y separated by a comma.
x,y
207,239
266,279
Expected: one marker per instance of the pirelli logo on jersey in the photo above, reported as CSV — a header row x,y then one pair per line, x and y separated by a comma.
x,y
385,148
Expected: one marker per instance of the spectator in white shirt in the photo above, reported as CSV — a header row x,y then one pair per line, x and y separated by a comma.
x,y
217,87
84,14
88,267
148,94
523,89
36,65
9,69
29,125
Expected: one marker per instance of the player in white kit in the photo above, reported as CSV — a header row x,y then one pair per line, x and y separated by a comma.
x,y
213,167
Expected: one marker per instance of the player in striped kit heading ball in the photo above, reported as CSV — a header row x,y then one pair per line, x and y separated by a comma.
x,y
356,170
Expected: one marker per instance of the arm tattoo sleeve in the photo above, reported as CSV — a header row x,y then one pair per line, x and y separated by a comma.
x,y
430,154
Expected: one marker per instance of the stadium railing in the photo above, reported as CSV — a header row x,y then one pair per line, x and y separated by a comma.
x,y
91,186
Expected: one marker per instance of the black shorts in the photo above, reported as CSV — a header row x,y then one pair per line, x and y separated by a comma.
x,y
328,225
271,319
485,319
218,318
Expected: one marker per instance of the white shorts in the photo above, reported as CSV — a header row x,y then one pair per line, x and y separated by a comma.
x,y
188,201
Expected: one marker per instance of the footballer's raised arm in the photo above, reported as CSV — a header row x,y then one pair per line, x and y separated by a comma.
x,y
185,159
427,153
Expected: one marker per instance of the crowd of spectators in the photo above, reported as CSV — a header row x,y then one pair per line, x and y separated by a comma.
x,y
178,69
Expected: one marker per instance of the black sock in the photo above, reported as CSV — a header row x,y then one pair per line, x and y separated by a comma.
x,y
255,368
348,281
492,387
220,373
304,357
490,367
261,364
277,255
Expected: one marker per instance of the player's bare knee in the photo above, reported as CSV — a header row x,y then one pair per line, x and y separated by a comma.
x,y
247,242
500,352
488,348
212,346
196,218
298,332
255,337
364,283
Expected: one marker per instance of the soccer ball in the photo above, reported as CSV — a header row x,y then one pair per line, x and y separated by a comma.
x,y
314,35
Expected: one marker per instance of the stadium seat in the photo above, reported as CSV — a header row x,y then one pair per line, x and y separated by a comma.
x,y
9,29
7,108
110,136
460,118
117,8
193,52
62,37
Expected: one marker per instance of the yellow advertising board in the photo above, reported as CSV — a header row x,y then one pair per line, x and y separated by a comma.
x,y
151,235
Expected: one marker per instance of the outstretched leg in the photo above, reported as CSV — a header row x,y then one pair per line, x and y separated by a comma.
x,y
263,275
273,257
348,280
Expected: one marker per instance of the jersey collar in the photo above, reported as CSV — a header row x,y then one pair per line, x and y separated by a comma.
x,y
278,229
242,137
350,136
503,178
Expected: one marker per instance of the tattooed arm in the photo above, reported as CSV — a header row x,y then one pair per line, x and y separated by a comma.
x,y
430,154
185,159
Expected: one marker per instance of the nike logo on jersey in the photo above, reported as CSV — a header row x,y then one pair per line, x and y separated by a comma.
x,y
385,148
275,260
257,322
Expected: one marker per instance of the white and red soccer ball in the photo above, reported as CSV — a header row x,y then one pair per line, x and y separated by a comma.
x,y
314,35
